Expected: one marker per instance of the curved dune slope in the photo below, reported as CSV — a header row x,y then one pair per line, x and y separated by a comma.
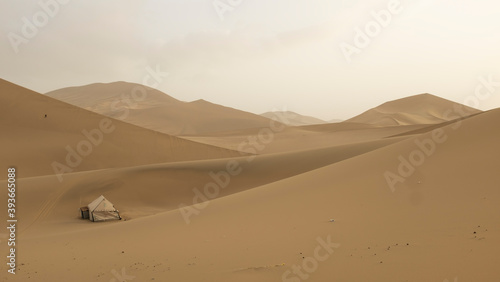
x,y
47,136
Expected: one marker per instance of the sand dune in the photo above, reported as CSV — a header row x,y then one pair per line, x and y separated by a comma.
x,y
293,119
418,109
302,137
171,183
426,129
152,109
399,194
48,136
441,219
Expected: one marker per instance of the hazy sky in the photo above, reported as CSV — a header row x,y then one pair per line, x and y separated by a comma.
x,y
259,55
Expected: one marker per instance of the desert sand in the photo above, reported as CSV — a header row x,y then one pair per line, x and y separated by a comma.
x,y
407,191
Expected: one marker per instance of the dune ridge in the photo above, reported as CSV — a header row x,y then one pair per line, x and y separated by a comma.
x,y
156,110
418,109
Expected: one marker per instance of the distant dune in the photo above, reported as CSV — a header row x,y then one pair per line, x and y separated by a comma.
x,y
43,130
293,119
418,109
335,120
152,109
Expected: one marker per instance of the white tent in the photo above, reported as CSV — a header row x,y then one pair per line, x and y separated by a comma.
x,y
101,209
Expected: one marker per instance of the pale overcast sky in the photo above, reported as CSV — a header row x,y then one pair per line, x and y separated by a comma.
x,y
259,55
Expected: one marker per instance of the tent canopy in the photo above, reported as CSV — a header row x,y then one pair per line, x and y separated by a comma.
x,y
101,209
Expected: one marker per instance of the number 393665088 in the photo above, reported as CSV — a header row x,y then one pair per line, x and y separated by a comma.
x,y
11,187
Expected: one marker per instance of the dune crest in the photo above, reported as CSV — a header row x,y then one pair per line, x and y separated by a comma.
x,y
417,109
156,110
